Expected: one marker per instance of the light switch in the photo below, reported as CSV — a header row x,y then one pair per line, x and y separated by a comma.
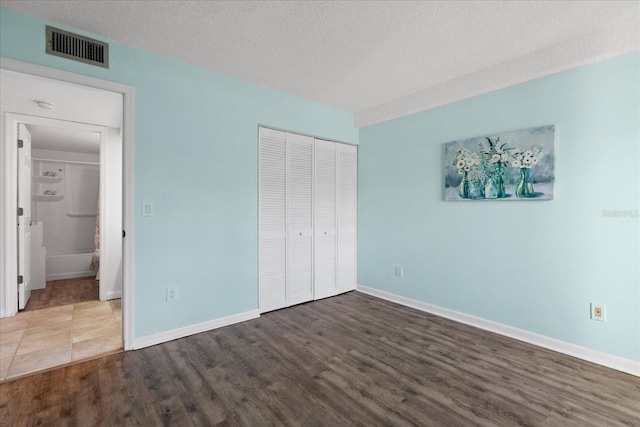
x,y
147,208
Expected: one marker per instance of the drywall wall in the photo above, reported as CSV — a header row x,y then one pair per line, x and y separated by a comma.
x,y
196,160
534,265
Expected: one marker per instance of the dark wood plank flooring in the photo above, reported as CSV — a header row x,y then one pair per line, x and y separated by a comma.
x,y
348,360
63,292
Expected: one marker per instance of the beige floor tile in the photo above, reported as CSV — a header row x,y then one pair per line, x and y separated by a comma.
x,y
93,322
12,324
41,341
91,307
11,337
7,351
38,360
94,331
52,315
4,367
98,345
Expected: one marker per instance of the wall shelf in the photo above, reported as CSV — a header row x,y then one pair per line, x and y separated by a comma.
x,y
44,179
48,197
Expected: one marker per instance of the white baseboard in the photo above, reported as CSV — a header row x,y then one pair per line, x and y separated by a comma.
x,y
73,275
605,359
114,295
173,334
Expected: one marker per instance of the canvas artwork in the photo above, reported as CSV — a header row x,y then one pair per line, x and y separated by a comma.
x,y
516,165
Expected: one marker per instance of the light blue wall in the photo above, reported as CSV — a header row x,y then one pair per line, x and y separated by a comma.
x,y
196,159
532,265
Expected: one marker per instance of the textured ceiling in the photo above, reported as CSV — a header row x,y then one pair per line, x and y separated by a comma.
x,y
363,56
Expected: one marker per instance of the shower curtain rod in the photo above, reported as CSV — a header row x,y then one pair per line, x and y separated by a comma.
x,y
75,162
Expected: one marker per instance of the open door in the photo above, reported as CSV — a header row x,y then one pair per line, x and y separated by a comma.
x,y
24,215
111,233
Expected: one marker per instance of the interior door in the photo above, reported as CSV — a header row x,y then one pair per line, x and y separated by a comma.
x,y
325,219
347,216
111,215
24,220
272,217
300,215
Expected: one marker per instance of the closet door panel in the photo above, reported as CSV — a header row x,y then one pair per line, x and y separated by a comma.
x,y
300,216
347,217
325,156
272,214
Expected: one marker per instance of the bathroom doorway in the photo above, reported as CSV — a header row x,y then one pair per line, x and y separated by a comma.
x,y
64,216
73,99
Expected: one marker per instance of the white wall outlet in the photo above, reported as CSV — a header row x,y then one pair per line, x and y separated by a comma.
x,y
598,312
172,295
399,271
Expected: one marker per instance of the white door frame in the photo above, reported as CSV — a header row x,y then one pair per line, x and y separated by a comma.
x,y
8,194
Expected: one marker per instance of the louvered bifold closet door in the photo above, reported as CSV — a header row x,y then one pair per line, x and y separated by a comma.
x,y
300,238
272,214
347,216
325,206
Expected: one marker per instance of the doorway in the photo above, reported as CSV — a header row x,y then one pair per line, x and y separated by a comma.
x,y
59,82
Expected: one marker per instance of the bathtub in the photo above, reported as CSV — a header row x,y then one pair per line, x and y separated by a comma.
x,y
68,265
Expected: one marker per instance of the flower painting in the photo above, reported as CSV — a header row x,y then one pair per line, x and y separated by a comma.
x,y
515,165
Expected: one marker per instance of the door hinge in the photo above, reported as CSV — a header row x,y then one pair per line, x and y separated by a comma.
x,y
20,211
20,143
20,280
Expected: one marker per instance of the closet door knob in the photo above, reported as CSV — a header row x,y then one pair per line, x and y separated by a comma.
x,y
301,233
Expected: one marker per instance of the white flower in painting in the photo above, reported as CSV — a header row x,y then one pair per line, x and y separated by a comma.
x,y
467,168
459,171
527,161
495,158
460,163
528,153
503,157
516,163
534,161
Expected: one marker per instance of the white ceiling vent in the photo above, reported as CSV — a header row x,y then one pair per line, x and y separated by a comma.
x,y
74,46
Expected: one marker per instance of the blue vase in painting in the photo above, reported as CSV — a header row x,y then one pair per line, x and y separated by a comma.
x,y
491,189
476,190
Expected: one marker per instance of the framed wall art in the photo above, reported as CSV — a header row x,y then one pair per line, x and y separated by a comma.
x,y
517,165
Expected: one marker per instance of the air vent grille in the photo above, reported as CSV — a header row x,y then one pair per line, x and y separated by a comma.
x,y
73,46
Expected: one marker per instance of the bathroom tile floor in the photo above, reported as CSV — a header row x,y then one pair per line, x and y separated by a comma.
x,y
33,341
64,292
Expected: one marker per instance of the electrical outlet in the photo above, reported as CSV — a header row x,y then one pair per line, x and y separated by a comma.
x,y
399,271
171,294
598,312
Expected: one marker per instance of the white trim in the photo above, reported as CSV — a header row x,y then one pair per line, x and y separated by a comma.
x,y
114,295
605,359
196,328
128,191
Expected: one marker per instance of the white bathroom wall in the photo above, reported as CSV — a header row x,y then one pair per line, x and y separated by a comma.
x,y
69,223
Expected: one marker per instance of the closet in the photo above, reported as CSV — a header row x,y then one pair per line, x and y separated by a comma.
x,y
307,211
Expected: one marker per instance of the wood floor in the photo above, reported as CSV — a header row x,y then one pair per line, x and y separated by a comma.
x,y
64,292
348,360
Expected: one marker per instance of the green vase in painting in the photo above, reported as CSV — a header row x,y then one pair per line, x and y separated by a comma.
x,y
525,186
499,182
463,189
